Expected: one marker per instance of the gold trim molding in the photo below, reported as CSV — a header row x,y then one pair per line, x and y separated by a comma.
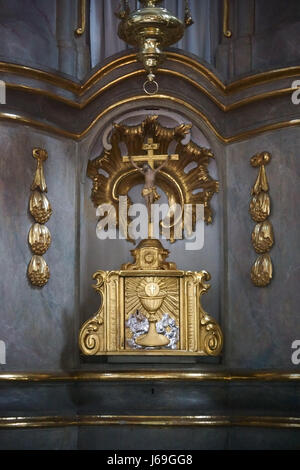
x,y
223,107
17,422
77,136
142,375
81,88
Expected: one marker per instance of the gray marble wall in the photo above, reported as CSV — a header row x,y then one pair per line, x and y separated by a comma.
x,y
41,34
264,36
38,325
28,32
263,322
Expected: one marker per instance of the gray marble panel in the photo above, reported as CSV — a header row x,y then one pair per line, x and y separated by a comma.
x,y
37,325
28,32
263,321
151,437
279,48
152,399
264,399
271,13
39,439
263,439
35,399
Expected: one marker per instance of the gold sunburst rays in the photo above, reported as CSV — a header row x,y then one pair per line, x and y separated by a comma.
x,y
113,178
134,287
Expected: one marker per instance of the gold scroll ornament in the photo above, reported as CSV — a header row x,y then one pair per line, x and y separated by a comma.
x,y
39,236
262,235
149,307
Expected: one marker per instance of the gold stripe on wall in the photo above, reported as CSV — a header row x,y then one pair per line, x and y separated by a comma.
x,y
151,375
80,88
137,420
67,84
223,107
77,136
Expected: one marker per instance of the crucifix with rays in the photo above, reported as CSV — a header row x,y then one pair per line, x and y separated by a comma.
x,y
149,171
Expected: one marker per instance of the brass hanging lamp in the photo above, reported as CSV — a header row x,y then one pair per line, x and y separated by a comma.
x,y
151,29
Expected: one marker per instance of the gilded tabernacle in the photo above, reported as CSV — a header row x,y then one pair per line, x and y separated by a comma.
x,y
149,306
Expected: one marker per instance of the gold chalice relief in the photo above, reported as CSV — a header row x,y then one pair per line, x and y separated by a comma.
x,y
151,302
154,299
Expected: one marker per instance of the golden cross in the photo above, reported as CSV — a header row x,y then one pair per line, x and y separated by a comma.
x,y
150,158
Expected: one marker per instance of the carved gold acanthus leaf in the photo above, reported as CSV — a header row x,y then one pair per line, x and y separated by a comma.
x,y
40,207
113,178
39,238
38,271
260,207
262,271
263,237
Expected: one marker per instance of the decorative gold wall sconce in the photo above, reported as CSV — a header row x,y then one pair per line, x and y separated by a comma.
x,y
39,236
262,235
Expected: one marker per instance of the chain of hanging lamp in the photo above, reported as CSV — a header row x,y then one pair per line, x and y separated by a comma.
x,y
188,19
125,9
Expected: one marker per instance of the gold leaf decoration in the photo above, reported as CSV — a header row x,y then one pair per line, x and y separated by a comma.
x,y
40,207
39,239
38,271
39,236
263,237
260,207
262,271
